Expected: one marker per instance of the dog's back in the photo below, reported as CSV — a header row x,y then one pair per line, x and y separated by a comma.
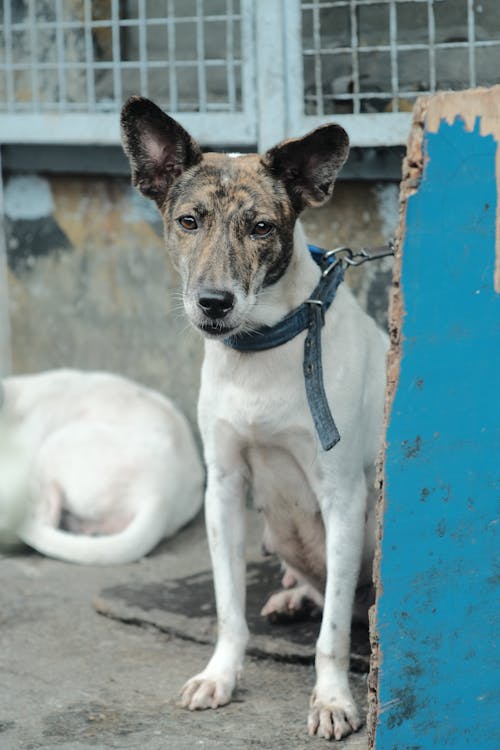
x,y
108,459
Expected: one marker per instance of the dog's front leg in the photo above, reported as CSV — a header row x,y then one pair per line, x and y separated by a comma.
x,y
225,520
333,712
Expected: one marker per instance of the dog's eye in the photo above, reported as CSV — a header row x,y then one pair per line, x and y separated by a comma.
x,y
188,222
262,229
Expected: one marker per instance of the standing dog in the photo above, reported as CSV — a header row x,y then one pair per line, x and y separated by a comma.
x,y
231,226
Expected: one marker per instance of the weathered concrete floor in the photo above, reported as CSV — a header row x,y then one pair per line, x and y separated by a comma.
x,y
72,679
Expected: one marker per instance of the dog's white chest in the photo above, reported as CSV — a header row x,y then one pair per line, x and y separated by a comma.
x,y
283,488
258,418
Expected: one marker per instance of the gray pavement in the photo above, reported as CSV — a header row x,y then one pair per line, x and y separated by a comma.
x,y
73,679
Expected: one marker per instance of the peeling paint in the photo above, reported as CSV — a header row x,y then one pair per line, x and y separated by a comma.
x,y
439,527
30,239
28,197
403,706
412,448
31,231
474,106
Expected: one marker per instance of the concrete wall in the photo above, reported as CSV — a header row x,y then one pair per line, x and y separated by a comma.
x,y
91,285
5,363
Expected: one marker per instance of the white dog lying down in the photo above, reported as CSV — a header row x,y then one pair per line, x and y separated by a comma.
x,y
111,462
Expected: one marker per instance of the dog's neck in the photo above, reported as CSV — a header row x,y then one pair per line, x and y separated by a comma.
x,y
290,291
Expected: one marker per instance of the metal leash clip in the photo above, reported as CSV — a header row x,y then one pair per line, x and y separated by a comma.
x,y
331,258
356,259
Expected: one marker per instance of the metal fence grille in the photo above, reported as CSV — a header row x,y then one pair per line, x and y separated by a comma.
x,y
88,56
370,56
237,72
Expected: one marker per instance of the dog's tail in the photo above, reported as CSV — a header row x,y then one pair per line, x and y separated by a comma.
x,y
142,534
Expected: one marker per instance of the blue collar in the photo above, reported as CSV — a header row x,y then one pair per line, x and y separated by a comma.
x,y
309,315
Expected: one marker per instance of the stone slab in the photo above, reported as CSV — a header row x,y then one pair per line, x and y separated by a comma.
x,y
185,607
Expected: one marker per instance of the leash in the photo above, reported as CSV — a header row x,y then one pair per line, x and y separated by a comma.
x,y
310,315
350,258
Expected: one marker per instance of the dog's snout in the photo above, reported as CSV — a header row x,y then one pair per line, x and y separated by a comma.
x,y
216,303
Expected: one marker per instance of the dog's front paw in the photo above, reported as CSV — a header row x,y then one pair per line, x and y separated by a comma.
x,y
335,718
205,691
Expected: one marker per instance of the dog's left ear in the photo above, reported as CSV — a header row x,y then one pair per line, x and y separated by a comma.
x,y
308,166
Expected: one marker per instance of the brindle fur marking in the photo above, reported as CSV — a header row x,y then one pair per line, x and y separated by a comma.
x,y
223,186
167,165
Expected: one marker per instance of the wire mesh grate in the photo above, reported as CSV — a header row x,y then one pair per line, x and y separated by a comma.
x,y
238,71
368,56
70,56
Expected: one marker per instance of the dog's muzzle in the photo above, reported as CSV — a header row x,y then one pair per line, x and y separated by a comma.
x,y
215,306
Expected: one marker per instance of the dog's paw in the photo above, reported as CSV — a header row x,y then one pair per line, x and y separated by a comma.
x,y
292,602
203,691
288,601
334,719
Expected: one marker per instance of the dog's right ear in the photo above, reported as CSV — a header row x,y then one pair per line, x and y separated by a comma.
x,y
158,148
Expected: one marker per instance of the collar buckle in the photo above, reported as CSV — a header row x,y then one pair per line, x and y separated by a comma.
x,y
319,303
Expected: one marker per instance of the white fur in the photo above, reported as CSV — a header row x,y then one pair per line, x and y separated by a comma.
x,y
257,429
119,458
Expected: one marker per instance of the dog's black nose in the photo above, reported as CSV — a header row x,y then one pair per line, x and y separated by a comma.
x,y
216,304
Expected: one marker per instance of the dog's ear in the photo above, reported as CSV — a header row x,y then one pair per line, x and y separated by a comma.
x,y
308,166
158,148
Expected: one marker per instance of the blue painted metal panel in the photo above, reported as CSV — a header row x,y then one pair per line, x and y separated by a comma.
x,y
438,625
